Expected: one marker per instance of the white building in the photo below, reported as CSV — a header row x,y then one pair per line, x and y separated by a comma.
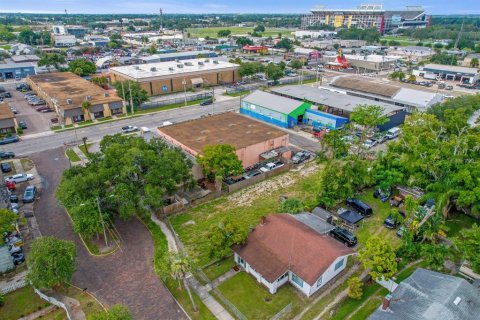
x,y
283,249
64,40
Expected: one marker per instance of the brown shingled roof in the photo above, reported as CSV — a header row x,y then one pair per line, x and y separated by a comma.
x,y
366,86
67,85
5,112
284,243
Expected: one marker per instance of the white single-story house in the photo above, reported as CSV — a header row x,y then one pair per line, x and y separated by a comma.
x,y
283,249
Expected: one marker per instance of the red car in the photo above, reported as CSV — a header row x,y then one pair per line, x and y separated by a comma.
x,y
10,185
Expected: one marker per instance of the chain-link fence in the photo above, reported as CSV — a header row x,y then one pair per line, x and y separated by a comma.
x,y
282,312
177,100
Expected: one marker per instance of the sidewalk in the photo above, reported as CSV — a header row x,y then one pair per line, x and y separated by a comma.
x,y
202,291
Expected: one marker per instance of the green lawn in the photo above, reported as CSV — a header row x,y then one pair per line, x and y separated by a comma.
x,y
20,303
219,268
168,107
82,148
213,31
403,40
72,155
195,235
254,300
89,305
457,222
160,249
375,223
104,119
369,307
237,94
27,164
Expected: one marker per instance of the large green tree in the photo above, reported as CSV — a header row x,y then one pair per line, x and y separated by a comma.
x,y
128,174
273,72
7,222
222,236
219,160
51,59
224,33
467,243
138,95
379,257
50,262
82,67
250,68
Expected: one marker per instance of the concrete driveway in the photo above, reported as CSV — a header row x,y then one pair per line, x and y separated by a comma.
x,y
125,277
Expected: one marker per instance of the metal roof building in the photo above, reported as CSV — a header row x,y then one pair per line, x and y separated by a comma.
x,y
274,109
178,56
337,106
430,295
462,74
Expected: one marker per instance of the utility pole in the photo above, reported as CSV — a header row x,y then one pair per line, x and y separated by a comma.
x,y
213,98
131,98
161,20
103,222
184,82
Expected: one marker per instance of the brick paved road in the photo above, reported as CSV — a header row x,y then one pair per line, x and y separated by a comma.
x,y
125,277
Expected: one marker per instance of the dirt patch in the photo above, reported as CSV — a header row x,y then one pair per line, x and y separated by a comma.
x,y
27,164
247,196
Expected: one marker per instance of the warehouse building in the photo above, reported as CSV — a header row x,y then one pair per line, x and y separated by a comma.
x,y
411,99
445,72
250,138
13,70
367,63
333,107
274,109
66,93
167,77
174,56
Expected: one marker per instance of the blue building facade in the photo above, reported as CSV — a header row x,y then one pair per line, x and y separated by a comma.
x,y
16,70
319,119
266,115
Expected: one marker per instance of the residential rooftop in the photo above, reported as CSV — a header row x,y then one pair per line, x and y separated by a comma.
x,y
283,243
430,295
61,86
226,128
173,68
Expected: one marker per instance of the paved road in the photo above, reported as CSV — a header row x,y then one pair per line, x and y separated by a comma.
x,y
50,140
125,277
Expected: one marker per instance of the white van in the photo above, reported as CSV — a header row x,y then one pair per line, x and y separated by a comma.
x,y
393,133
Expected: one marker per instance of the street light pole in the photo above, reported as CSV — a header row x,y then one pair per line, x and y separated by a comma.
x,y
184,82
103,222
131,98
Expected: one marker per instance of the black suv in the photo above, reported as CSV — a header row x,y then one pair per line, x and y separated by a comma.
x,y
6,155
362,208
345,236
5,167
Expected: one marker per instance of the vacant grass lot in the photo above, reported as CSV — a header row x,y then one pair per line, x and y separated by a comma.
x,y
20,303
374,224
244,207
254,300
213,32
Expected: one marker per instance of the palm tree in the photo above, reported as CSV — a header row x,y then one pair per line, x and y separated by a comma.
x,y
86,107
180,266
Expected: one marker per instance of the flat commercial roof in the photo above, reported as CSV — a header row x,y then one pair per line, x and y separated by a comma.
x,y
67,85
5,112
174,55
173,68
418,98
453,69
356,84
272,101
18,65
331,98
226,128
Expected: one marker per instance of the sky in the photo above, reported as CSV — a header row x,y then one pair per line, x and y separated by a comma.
x,y
230,6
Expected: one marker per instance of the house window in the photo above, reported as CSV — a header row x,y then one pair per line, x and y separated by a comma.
x,y
297,280
339,264
319,281
283,277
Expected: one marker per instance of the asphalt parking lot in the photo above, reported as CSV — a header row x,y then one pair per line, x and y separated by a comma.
x,y
36,121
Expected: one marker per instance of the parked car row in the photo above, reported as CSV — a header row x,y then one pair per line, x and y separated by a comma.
x,y
14,243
